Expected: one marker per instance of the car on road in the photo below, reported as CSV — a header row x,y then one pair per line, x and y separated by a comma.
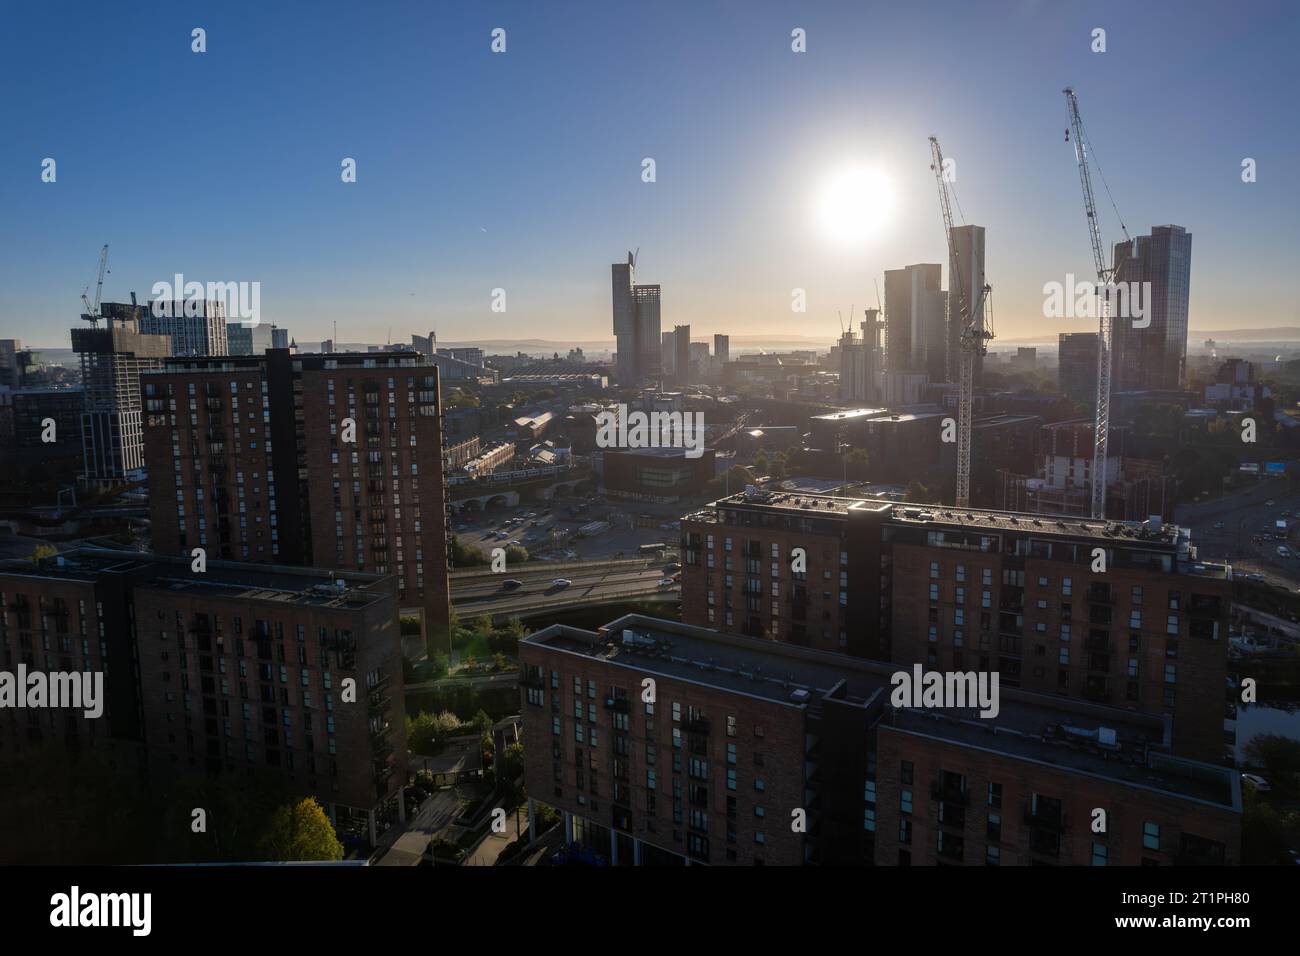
x,y
672,568
666,582
1283,551
1218,526
1270,503
1260,783
561,583
509,584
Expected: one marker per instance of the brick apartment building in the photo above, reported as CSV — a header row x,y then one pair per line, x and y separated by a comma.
x,y
975,590
755,752
246,459
950,793
238,668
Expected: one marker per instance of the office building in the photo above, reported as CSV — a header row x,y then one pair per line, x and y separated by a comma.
x,y
242,339
280,338
860,361
636,326
1076,373
1154,358
204,332
975,589
248,459
112,359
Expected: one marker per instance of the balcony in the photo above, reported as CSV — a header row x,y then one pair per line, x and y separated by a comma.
x,y
1048,821
697,725
1100,594
950,794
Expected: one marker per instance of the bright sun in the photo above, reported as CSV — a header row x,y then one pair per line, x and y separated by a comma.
x,y
855,204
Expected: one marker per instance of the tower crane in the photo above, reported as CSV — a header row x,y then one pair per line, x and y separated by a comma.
x,y
92,311
1105,274
973,338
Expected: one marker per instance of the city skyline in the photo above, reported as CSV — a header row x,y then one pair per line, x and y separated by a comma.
x,y
444,212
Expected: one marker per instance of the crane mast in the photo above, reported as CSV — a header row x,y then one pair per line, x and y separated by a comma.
x,y
973,338
92,309
1105,273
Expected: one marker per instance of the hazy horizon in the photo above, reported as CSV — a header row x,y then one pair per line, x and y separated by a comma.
x,y
522,170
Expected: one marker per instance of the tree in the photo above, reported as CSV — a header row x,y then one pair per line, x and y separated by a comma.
x,y
1278,755
426,734
465,555
516,554
856,464
918,493
43,551
482,722
301,831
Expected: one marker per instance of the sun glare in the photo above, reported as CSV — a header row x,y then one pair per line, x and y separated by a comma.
x,y
855,205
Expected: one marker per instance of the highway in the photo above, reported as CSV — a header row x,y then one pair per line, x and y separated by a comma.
x,y
1244,518
485,592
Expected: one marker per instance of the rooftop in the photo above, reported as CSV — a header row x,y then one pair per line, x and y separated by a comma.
x,y
1072,734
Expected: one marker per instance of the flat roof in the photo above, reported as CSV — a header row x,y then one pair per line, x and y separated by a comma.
x,y
1035,727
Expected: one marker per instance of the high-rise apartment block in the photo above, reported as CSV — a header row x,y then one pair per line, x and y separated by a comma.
x,y
1154,356
965,590
636,326
860,361
682,353
333,461
112,358
721,350
917,330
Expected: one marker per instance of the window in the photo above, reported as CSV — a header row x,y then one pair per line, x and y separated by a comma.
x,y
905,801
993,856
1151,835
1099,853
995,795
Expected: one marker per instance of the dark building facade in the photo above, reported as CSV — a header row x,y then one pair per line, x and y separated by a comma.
x,y
663,743
1154,357
248,458
982,590
227,671
1076,373
655,474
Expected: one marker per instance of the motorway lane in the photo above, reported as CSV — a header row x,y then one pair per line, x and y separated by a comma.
x,y
1246,516
539,582
589,586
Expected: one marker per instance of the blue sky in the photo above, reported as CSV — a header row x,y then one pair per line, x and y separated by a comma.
x,y
522,170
